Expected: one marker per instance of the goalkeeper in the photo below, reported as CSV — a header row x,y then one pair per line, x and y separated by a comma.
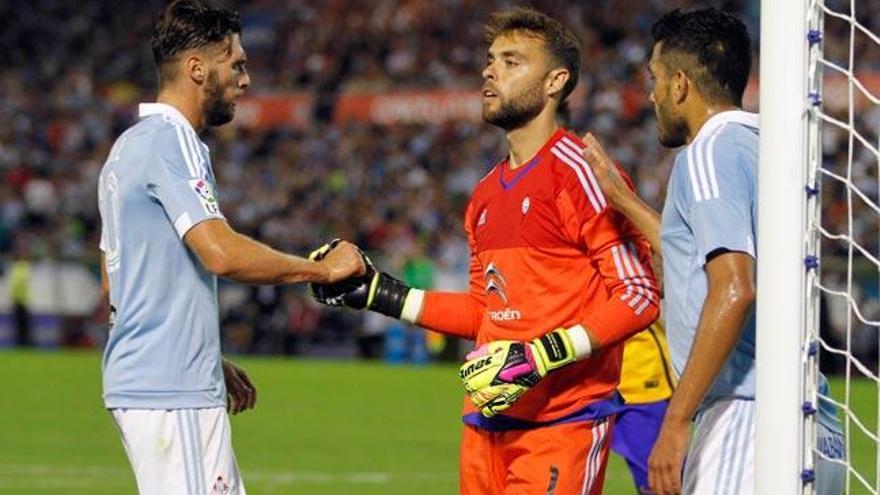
x,y
557,282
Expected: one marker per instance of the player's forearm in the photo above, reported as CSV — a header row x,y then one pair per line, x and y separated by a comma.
x,y
616,320
105,281
248,261
451,313
720,328
642,216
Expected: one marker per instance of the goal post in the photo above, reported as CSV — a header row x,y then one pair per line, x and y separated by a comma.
x,y
782,309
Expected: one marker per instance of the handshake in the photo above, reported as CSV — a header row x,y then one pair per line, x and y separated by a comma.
x,y
496,374
376,291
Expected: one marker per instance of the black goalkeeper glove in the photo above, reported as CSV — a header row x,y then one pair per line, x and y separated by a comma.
x,y
376,291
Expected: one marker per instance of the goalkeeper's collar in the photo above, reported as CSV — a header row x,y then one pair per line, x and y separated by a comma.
x,y
595,411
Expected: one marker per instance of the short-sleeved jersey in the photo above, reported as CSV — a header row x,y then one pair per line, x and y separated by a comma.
x,y
711,206
548,252
646,374
163,350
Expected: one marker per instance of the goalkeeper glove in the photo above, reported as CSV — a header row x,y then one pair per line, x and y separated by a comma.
x,y
374,290
497,374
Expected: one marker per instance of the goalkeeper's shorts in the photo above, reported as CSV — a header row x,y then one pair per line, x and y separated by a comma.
x,y
559,459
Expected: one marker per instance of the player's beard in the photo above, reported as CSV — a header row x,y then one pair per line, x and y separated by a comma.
x,y
672,128
217,111
517,110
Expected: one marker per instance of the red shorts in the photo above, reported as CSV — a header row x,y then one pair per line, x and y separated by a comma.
x,y
561,459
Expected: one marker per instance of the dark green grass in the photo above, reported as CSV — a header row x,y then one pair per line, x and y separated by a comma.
x,y
319,428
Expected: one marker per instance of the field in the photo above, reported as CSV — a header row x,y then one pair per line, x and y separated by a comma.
x,y
320,428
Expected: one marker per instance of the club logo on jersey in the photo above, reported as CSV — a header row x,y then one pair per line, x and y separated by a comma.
x,y
220,487
482,220
205,191
496,284
525,205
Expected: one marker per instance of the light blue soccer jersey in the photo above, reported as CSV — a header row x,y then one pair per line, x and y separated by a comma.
x,y
163,351
711,204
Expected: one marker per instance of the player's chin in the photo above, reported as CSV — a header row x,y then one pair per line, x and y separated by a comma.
x,y
490,111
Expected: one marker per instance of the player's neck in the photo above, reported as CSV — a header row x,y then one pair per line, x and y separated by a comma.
x,y
524,142
185,104
700,114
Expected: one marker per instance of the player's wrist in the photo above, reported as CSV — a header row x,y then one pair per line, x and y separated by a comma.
x,y
560,348
388,296
412,306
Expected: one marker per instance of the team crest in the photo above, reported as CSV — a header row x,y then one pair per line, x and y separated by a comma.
x,y
205,191
221,487
525,205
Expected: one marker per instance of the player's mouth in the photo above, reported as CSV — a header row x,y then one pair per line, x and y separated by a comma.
x,y
488,93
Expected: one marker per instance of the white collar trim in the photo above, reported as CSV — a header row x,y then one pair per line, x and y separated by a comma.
x,y
748,119
169,112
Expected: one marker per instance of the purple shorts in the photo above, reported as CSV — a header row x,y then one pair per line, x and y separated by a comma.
x,y
635,432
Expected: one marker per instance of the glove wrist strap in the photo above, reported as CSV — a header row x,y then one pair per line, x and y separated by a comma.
x,y
387,295
561,347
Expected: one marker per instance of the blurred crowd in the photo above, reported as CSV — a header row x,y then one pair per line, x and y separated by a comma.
x,y
73,72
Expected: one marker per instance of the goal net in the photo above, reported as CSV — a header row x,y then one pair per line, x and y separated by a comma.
x,y
832,74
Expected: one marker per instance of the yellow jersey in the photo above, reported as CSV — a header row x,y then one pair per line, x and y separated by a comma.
x,y
646,374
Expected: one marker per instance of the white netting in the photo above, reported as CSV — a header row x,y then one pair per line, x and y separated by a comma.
x,y
844,227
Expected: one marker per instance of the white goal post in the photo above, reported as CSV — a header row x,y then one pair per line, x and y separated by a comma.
x,y
782,307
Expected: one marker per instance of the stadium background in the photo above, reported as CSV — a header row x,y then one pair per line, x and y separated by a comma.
x,y
363,121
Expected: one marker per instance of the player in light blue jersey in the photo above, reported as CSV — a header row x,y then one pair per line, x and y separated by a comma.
x,y
164,241
700,66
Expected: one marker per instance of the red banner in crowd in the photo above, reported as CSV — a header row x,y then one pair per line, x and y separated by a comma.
x,y
434,106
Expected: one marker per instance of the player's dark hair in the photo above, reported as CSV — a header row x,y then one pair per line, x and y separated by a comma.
x,y
185,25
712,47
561,42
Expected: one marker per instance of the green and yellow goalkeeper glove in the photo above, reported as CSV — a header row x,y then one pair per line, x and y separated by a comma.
x,y
497,374
374,290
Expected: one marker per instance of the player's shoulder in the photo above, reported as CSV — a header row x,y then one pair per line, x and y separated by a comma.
x,y
573,174
173,144
724,155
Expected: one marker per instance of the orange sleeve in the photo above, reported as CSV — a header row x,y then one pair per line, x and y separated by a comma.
x,y
619,253
458,313
622,257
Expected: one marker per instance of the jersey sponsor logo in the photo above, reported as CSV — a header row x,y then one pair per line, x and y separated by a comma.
x,y
205,191
496,285
495,282
505,314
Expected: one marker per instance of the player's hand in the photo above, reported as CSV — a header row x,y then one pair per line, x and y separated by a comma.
x,y
497,374
373,290
342,260
605,170
241,393
351,292
667,458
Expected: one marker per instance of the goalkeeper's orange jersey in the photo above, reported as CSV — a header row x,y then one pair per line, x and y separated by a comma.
x,y
546,252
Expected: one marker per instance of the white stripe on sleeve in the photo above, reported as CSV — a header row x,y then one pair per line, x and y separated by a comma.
x,y
184,150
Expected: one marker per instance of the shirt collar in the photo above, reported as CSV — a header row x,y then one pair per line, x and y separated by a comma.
x,y
167,111
747,119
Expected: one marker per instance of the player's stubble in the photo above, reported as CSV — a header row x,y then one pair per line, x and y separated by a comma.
x,y
672,129
519,109
217,110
